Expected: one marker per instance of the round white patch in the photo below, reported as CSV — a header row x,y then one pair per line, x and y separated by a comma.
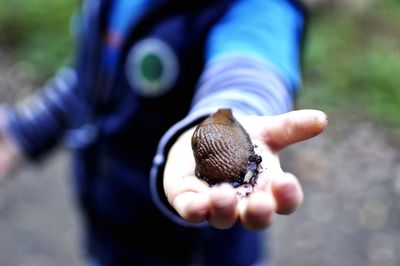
x,y
151,67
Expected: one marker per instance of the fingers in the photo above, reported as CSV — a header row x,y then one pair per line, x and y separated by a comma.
x,y
287,192
221,207
218,205
192,206
189,197
284,196
223,211
256,212
293,127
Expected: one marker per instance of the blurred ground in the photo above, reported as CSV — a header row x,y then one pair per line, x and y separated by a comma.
x,y
351,178
350,174
39,225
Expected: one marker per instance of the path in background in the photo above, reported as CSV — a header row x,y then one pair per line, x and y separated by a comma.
x,y
351,212
350,216
39,225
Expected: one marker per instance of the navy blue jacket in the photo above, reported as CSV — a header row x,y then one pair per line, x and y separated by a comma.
x,y
128,96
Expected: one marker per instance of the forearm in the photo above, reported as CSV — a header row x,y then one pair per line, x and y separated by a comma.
x,y
253,59
252,66
245,84
37,124
270,32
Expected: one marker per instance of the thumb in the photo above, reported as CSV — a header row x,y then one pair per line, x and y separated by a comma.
x,y
293,127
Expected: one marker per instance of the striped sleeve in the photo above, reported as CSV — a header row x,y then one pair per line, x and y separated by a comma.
x,y
252,66
38,122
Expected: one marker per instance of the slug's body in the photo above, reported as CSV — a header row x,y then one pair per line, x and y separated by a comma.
x,y
223,151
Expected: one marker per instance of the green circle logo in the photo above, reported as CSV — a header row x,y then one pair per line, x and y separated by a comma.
x,y
151,68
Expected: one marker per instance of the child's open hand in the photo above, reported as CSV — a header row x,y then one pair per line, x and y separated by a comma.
x,y
10,156
275,191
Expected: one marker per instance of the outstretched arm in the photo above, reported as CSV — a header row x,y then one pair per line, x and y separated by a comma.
x,y
252,67
40,122
32,128
275,191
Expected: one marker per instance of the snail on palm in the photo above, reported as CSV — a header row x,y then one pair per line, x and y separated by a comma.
x,y
223,151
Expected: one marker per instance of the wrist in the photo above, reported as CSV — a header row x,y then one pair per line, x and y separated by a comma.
x,y
9,146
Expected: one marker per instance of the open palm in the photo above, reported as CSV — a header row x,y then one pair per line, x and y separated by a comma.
x,y
275,191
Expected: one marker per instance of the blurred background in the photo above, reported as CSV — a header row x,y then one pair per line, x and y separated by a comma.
x,y
350,174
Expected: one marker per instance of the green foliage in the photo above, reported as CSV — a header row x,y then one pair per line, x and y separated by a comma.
x,y
36,33
352,61
352,64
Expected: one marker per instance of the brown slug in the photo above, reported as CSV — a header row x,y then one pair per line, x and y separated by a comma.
x,y
223,151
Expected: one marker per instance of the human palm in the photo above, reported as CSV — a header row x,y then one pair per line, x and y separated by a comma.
x,y
275,191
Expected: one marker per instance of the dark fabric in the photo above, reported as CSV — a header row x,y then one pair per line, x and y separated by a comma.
x,y
112,160
124,227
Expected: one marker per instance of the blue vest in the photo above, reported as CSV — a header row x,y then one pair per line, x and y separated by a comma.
x,y
114,114
150,89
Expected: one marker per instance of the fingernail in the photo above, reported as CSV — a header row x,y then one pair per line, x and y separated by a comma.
x,y
323,118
